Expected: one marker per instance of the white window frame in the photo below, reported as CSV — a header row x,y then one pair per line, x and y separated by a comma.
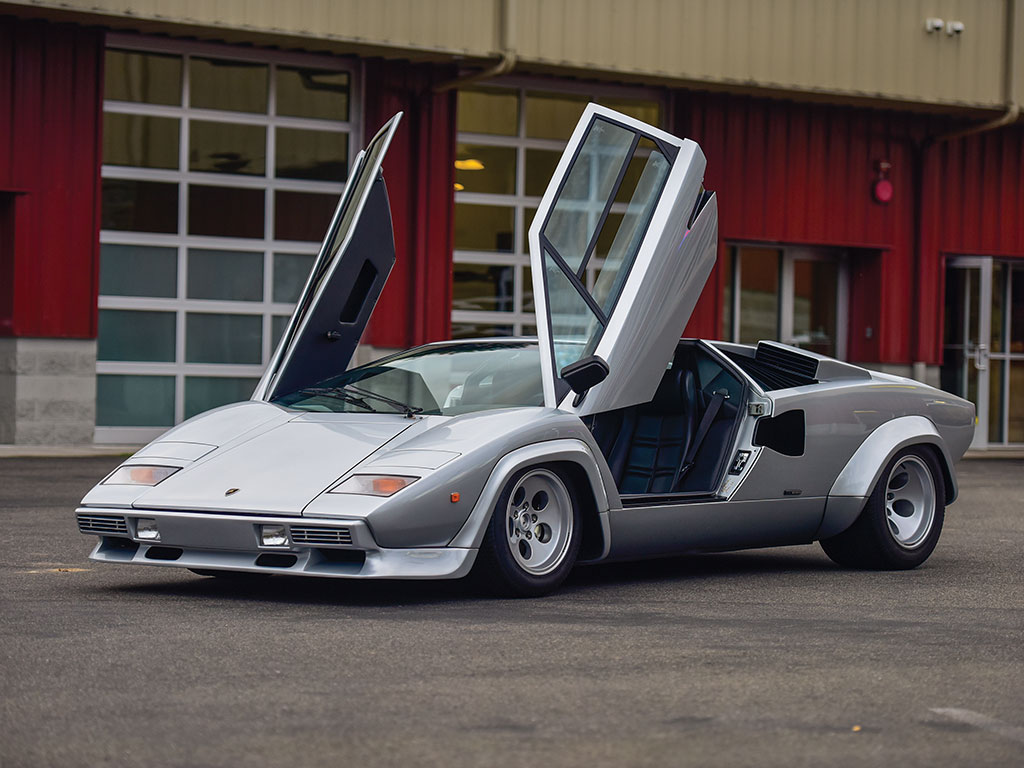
x,y
519,257
182,241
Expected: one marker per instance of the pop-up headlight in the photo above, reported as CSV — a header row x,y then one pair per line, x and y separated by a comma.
x,y
139,474
375,485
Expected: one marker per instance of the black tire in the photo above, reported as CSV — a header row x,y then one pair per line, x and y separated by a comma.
x,y
497,570
875,543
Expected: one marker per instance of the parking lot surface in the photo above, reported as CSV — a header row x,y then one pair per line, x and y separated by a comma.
x,y
760,658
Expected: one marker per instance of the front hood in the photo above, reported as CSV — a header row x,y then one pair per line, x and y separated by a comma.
x,y
279,471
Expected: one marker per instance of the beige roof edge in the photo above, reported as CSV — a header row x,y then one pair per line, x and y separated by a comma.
x,y
472,32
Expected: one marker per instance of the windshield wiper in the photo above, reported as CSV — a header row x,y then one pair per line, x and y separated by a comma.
x,y
409,410
338,394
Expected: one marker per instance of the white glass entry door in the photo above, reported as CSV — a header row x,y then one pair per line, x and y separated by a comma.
x,y
983,350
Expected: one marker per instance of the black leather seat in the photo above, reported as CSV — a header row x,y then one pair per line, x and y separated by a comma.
x,y
645,444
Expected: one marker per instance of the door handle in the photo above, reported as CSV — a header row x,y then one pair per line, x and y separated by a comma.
x,y
981,357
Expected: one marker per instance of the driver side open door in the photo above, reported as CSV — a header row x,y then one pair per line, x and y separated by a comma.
x,y
348,276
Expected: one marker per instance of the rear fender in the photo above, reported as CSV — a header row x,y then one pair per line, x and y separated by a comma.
x,y
550,451
854,484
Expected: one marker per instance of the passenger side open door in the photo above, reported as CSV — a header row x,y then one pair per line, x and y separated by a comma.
x,y
621,246
347,278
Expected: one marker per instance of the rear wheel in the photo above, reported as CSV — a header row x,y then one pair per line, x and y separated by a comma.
x,y
533,536
902,519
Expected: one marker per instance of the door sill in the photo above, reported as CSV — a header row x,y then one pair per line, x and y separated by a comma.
x,y
658,499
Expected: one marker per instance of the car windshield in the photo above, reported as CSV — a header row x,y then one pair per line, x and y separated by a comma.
x,y
443,380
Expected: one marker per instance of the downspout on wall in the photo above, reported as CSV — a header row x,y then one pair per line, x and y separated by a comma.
x,y
508,56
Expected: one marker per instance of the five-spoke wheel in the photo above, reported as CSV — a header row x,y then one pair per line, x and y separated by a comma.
x,y
539,521
533,536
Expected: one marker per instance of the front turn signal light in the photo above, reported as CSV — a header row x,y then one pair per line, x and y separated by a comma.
x,y
139,474
375,485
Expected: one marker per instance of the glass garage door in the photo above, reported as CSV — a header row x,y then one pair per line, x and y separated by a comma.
x,y
221,169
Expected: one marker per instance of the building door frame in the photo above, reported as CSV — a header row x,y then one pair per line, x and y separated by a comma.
x,y
790,255
975,351
993,367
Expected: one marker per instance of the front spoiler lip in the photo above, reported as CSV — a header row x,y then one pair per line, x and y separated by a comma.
x,y
232,545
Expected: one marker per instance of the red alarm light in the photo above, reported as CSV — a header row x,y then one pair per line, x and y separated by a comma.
x,y
882,189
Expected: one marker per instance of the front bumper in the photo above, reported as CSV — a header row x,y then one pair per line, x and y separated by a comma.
x,y
335,548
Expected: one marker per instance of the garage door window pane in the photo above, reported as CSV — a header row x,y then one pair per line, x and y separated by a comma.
x,y
227,148
234,85
140,141
225,275
140,206
481,168
302,215
225,211
316,155
476,330
291,270
553,116
484,227
153,78
278,324
205,392
488,110
126,334
134,401
217,338
304,92
645,111
540,167
483,286
138,270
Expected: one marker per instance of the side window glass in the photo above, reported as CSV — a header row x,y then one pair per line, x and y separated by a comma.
x,y
602,211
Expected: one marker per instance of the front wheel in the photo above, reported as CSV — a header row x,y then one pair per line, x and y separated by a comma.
x,y
902,519
533,536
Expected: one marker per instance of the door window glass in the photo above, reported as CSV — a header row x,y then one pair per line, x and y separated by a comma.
x,y
815,287
759,294
579,218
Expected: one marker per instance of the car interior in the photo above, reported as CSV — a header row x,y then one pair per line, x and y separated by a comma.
x,y
678,444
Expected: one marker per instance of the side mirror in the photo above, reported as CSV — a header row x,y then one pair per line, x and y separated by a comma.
x,y
585,373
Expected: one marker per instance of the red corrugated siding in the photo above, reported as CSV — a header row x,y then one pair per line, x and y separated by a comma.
x,y
51,83
416,305
803,174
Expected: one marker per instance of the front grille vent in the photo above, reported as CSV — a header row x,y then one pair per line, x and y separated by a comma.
x,y
321,535
105,525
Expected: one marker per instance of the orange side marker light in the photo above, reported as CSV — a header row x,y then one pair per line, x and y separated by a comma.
x,y
455,498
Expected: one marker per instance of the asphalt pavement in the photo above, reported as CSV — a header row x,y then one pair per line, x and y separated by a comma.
x,y
760,658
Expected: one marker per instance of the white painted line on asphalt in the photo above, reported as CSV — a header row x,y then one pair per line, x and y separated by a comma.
x,y
983,721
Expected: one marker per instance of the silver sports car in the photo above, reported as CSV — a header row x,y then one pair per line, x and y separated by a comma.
x,y
511,460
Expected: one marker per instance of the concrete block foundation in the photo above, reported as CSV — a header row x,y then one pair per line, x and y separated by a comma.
x,y
47,391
